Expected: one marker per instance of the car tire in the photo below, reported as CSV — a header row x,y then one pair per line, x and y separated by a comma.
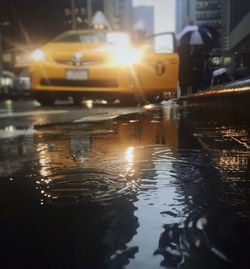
x,y
155,99
77,101
128,100
110,100
46,100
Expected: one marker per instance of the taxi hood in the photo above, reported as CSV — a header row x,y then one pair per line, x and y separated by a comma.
x,y
63,51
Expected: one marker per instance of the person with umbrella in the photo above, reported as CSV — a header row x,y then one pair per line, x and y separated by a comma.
x,y
195,43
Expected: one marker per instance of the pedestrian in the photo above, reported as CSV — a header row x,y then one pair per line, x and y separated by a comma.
x,y
198,57
185,70
191,68
195,42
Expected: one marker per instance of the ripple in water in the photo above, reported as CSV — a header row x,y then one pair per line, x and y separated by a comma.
x,y
216,239
73,186
215,232
170,182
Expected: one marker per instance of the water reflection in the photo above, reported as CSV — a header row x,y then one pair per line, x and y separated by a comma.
x,y
152,190
223,198
15,152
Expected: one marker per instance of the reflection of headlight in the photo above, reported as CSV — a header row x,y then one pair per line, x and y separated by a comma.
x,y
126,56
5,82
38,55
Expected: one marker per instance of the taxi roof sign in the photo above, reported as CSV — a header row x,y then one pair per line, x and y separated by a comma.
x,y
99,21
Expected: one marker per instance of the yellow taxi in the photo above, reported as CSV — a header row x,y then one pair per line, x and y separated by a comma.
x,y
104,65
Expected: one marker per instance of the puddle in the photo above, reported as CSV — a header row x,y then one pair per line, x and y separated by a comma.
x,y
12,131
147,190
30,113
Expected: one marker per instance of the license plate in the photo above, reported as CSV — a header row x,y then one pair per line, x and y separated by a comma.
x,y
77,74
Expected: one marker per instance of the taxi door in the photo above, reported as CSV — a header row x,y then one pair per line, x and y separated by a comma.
x,y
158,70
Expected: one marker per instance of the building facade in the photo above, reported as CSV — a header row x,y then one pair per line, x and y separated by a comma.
x,y
185,12
32,22
201,12
144,19
236,31
209,13
36,22
119,14
28,24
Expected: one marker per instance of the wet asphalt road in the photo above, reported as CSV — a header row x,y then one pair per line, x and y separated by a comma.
x,y
117,187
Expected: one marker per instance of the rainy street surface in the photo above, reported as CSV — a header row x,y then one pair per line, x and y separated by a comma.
x,y
115,187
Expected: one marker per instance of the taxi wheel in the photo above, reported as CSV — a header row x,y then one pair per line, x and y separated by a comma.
x,y
46,100
77,101
155,99
110,100
128,100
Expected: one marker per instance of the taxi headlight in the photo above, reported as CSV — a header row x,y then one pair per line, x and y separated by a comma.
x,y
126,56
38,55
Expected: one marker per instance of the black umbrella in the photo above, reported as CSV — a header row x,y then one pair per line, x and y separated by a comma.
x,y
213,31
198,36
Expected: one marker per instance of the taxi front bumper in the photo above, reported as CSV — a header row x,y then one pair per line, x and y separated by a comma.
x,y
102,78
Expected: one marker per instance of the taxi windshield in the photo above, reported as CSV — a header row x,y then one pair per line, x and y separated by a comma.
x,y
93,38
88,38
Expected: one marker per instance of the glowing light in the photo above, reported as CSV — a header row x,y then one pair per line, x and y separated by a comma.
x,y
10,129
89,104
129,156
119,39
99,26
5,81
126,55
8,104
38,55
149,106
44,161
121,49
